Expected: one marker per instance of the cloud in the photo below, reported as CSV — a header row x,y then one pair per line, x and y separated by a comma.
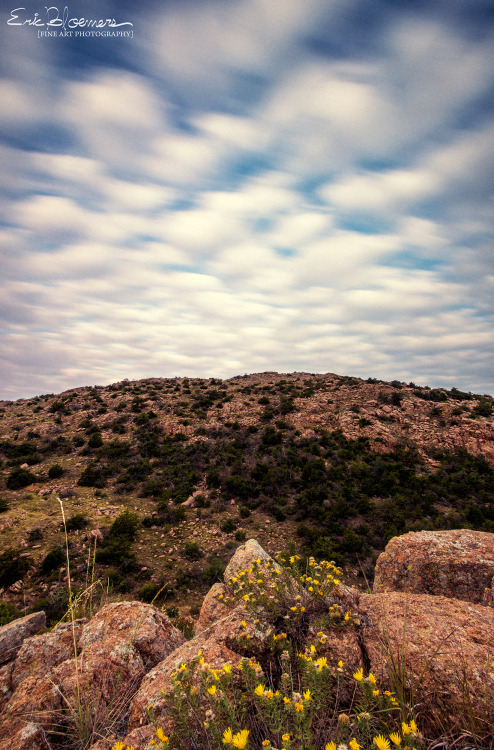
x,y
252,190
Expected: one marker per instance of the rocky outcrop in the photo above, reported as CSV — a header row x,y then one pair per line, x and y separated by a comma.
x,y
114,651
438,649
434,647
14,634
458,564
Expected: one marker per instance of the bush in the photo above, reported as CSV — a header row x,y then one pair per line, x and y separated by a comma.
x,y
56,471
3,505
53,560
192,551
148,591
19,478
117,546
34,535
8,612
213,571
13,567
228,526
93,476
76,522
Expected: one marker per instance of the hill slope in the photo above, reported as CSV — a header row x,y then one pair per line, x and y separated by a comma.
x,y
334,465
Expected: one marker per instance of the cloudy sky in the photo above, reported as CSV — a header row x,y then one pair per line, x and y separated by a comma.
x,y
246,185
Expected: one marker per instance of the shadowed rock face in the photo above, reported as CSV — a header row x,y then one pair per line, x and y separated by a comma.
x,y
458,564
14,633
439,646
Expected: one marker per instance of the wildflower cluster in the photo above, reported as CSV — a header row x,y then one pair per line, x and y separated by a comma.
x,y
239,707
281,591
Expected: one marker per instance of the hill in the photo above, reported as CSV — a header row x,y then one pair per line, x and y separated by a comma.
x,y
165,476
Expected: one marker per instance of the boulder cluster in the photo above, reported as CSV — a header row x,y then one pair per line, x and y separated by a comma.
x,y
430,617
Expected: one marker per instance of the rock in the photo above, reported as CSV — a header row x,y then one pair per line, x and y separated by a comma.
x,y
116,648
212,609
30,737
14,633
212,644
457,564
5,683
443,649
40,653
243,558
139,625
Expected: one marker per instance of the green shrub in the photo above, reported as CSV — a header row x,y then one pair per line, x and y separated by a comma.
x,y
192,551
76,522
95,441
56,471
3,505
19,478
53,560
93,476
117,545
34,535
148,591
8,612
228,526
213,571
13,567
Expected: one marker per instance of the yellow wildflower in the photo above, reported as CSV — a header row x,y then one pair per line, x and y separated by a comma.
x,y
354,744
269,695
307,695
240,739
259,690
227,669
212,689
294,609
321,662
359,675
161,735
375,693
340,664
395,738
405,729
330,746
266,743
413,726
286,700
227,736
286,738
299,707
372,679
118,746
381,742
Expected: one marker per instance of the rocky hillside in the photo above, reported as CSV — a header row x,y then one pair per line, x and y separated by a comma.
x,y
163,477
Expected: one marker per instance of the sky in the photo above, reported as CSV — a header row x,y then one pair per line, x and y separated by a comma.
x,y
217,187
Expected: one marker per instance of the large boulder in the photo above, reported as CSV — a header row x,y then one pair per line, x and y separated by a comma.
x,y
114,651
439,650
457,564
14,633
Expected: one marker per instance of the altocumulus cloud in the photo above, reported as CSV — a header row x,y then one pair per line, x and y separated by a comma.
x,y
246,186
